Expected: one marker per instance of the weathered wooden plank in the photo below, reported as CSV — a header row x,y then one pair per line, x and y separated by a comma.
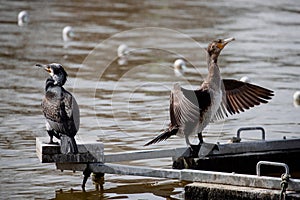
x,y
187,175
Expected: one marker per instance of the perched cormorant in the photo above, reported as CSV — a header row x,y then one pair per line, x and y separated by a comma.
x,y
192,110
60,109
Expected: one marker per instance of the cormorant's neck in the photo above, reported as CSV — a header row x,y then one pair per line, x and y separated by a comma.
x,y
55,81
211,58
59,79
214,75
49,83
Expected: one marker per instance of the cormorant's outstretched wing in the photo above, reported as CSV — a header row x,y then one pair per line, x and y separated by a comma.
x,y
183,106
185,110
240,96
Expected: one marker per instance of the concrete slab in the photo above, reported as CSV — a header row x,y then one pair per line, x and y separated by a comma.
x,y
217,191
89,151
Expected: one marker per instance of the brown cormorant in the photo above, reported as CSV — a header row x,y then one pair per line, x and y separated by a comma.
x,y
192,110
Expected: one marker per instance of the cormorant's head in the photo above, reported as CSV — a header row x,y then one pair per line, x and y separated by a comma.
x,y
216,46
56,71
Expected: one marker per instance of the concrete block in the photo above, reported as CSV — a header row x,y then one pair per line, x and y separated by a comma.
x,y
89,151
217,191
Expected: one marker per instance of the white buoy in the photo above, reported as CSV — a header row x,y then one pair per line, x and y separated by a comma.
x,y
245,79
123,50
296,98
68,33
179,67
23,18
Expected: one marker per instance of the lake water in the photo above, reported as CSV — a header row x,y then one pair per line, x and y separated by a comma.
x,y
124,106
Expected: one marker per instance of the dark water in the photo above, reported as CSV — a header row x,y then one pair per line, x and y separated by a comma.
x,y
125,106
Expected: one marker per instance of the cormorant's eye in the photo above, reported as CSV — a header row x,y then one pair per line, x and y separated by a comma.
x,y
219,41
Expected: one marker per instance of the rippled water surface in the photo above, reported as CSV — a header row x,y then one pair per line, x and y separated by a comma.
x,y
124,106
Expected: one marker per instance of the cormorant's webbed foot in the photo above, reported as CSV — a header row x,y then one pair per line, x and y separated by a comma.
x,y
184,163
186,160
52,133
194,150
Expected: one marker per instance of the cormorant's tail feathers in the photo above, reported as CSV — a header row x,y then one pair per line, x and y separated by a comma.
x,y
68,145
163,136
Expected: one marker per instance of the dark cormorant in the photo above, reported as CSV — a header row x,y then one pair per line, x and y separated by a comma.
x,y
192,110
60,109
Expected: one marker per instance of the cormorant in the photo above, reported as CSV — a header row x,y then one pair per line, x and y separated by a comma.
x,y
192,110
60,109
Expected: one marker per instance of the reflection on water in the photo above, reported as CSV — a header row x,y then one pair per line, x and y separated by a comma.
x,y
125,106
131,190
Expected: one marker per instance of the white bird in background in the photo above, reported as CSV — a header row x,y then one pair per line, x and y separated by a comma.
x,y
68,33
23,18
123,52
245,79
296,97
179,67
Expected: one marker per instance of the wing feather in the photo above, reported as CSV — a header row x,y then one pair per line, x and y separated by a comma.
x,y
181,108
239,96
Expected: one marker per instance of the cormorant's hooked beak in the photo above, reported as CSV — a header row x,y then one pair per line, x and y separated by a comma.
x,y
222,44
45,67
